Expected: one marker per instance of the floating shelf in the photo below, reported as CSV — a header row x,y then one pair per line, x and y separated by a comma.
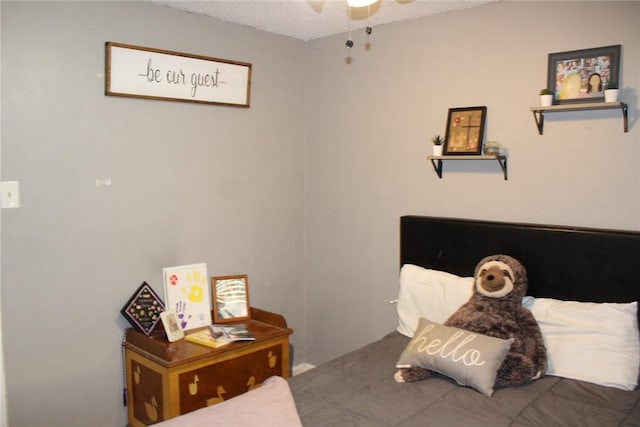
x,y
437,162
539,112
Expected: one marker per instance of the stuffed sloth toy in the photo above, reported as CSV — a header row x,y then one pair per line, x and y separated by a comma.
x,y
495,309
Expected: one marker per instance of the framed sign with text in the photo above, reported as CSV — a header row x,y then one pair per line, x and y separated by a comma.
x,y
143,72
143,309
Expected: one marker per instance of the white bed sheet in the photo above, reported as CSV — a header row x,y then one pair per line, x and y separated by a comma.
x,y
269,405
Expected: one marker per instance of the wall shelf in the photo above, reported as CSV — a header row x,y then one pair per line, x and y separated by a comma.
x,y
437,162
539,112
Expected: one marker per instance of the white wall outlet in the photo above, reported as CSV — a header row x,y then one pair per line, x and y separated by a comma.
x,y
10,194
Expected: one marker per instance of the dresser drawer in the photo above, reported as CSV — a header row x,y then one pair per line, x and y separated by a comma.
x,y
221,381
146,400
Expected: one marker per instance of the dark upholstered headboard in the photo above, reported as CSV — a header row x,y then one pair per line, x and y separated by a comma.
x,y
569,263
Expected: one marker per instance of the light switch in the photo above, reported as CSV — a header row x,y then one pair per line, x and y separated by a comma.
x,y
10,193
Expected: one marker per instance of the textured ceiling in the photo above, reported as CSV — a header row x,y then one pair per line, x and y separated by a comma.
x,y
311,19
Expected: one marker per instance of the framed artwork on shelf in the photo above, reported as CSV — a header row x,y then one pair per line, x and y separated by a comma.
x,y
143,309
187,294
579,76
465,131
230,298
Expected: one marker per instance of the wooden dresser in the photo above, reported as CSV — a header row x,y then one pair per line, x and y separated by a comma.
x,y
166,379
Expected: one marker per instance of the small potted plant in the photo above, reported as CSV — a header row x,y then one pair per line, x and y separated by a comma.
x,y
611,92
438,145
546,97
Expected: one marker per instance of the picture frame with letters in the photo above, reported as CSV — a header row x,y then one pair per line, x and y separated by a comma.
x,y
143,309
144,72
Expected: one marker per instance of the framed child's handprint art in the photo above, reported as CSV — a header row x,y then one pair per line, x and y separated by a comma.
x,y
187,294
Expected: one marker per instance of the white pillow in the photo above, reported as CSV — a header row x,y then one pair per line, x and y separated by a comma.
x,y
593,342
432,294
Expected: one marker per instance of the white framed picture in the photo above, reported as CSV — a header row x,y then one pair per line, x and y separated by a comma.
x,y
171,326
187,294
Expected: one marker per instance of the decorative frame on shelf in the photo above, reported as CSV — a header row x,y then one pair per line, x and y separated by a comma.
x,y
230,298
465,131
143,72
143,309
580,76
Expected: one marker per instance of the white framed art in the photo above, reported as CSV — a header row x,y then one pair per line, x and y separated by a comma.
x,y
187,293
171,326
144,72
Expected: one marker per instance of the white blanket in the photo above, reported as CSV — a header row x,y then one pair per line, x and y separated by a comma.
x,y
269,405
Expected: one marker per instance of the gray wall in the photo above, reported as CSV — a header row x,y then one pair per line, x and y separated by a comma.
x,y
302,191
191,183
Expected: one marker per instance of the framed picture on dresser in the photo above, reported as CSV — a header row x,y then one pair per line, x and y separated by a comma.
x,y
143,309
187,294
230,298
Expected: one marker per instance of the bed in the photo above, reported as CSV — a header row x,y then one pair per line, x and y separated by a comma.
x,y
564,264
583,290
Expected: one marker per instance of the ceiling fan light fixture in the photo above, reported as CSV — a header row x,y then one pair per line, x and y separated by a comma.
x,y
360,3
